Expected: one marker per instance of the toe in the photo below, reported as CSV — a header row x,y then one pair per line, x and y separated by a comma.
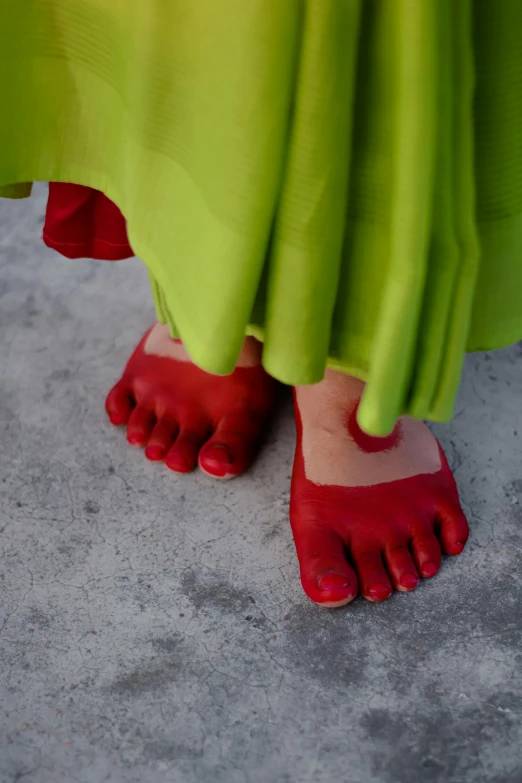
x,y
140,426
161,440
231,449
373,578
426,551
182,456
326,575
454,529
119,404
217,458
401,568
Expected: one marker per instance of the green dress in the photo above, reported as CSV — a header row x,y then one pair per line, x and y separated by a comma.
x,y
340,178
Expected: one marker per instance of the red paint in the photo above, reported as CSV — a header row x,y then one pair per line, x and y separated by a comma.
x,y
409,581
83,223
185,416
372,538
332,582
430,569
368,443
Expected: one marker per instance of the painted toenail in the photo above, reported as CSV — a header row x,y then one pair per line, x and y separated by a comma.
x,y
460,545
136,439
429,569
379,591
219,453
409,581
332,582
154,453
178,463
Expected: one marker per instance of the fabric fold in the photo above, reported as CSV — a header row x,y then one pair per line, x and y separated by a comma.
x,y
340,178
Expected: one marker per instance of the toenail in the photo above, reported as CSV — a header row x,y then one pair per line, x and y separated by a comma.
x,y
460,545
379,591
409,581
332,582
135,440
219,453
154,453
178,463
429,569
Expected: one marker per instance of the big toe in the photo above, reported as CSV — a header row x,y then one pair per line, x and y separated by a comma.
x,y
119,404
326,576
218,459
232,448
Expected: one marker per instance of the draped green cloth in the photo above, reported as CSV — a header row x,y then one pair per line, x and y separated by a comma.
x,y
340,178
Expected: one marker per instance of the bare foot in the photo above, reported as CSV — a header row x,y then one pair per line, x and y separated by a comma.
x,y
186,416
368,514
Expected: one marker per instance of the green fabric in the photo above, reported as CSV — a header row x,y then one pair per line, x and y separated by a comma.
x,y
19,190
340,178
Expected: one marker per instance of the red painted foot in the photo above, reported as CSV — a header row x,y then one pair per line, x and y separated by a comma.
x,y
185,416
368,514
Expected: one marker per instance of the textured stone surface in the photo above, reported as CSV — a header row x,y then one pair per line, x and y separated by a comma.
x,y
152,628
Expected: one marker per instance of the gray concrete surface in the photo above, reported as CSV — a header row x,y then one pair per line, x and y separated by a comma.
x,y
152,628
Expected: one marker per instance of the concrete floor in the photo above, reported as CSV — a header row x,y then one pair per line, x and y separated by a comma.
x,y
153,629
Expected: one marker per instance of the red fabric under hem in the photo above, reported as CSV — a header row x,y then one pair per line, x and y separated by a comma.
x,y
81,222
97,248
